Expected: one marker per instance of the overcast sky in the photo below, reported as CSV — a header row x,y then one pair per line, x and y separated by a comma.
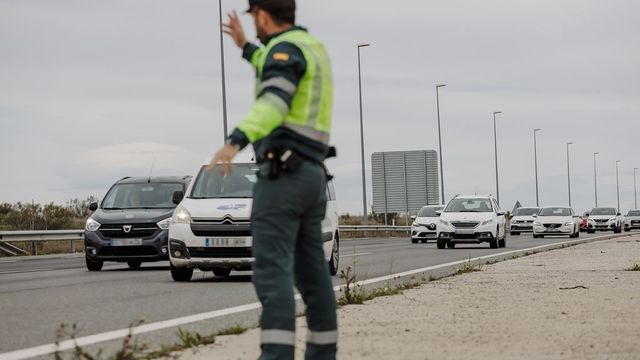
x,y
91,91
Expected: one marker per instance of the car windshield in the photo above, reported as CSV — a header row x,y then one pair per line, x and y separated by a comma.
x,y
429,211
603,211
141,196
469,205
634,213
237,184
526,211
555,212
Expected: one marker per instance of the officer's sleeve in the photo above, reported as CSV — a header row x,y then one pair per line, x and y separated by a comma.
x,y
284,68
251,53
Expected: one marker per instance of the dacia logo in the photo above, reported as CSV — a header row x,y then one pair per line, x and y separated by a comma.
x,y
232,207
127,228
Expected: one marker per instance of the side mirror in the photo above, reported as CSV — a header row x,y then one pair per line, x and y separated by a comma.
x,y
413,217
619,214
93,206
439,212
586,215
177,197
501,213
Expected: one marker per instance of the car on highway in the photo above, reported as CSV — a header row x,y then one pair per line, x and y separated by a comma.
x,y
605,219
211,228
632,220
556,220
472,220
425,225
522,220
131,223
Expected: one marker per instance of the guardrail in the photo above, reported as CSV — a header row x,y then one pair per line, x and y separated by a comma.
x,y
73,235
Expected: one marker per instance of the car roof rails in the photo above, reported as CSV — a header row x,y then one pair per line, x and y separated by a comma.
x,y
125,178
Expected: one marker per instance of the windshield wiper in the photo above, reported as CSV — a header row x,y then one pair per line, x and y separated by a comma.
x,y
113,208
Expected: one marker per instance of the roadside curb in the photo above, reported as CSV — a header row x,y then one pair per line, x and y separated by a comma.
x,y
10,259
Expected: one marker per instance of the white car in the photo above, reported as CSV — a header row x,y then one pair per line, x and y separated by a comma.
x,y
605,219
556,220
522,220
472,220
632,220
211,229
425,225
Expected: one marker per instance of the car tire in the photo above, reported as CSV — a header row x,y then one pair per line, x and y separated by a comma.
x,y
414,241
134,265
515,233
451,245
441,244
334,262
591,232
181,274
541,236
502,242
221,272
626,230
94,265
493,243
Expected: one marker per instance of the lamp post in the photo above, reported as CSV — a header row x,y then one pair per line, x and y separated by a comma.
x,y
535,156
364,183
442,199
635,190
495,146
618,183
224,87
595,176
569,172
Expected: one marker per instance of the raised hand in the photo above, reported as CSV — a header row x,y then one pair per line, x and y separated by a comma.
x,y
234,29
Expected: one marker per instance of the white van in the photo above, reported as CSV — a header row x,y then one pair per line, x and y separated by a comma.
x,y
211,230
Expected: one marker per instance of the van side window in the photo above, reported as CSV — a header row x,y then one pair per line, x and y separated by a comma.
x,y
332,192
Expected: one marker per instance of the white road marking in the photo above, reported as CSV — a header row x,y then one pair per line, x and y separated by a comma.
x,y
356,254
160,325
23,271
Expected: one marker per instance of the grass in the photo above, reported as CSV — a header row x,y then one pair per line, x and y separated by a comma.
x,y
130,349
634,267
468,267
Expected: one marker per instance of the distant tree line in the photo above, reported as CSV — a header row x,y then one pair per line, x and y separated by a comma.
x,y
33,216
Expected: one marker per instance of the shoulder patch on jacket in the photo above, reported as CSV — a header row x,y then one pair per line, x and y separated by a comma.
x,y
281,56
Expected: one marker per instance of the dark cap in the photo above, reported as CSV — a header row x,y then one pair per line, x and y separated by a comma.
x,y
283,9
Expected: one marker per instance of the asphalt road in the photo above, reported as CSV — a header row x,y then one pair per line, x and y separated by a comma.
x,y
37,295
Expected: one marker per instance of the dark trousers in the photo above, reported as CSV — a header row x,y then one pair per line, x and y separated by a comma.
x,y
287,245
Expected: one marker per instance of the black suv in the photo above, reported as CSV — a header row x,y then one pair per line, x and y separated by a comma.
x,y
132,222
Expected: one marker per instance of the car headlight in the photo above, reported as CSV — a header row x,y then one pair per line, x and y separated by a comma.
x,y
164,224
537,223
513,221
444,222
92,225
568,223
181,216
487,222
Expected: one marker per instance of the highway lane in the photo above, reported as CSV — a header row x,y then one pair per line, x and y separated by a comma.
x,y
37,295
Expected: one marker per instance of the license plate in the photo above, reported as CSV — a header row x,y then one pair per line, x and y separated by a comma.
x,y
225,242
465,231
431,236
126,242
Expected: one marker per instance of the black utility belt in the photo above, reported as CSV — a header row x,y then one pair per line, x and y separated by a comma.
x,y
277,162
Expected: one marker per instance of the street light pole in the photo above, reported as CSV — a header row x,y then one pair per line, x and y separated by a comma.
x,y
535,156
618,183
364,183
569,172
224,87
495,145
635,190
442,199
595,176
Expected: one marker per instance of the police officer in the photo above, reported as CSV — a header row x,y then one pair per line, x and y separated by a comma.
x,y
289,127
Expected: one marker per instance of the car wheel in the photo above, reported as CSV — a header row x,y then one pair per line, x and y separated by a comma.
x,y
181,274
493,243
335,256
94,265
414,241
135,265
626,230
222,272
541,236
441,244
451,245
502,242
515,233
423,241
591,232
